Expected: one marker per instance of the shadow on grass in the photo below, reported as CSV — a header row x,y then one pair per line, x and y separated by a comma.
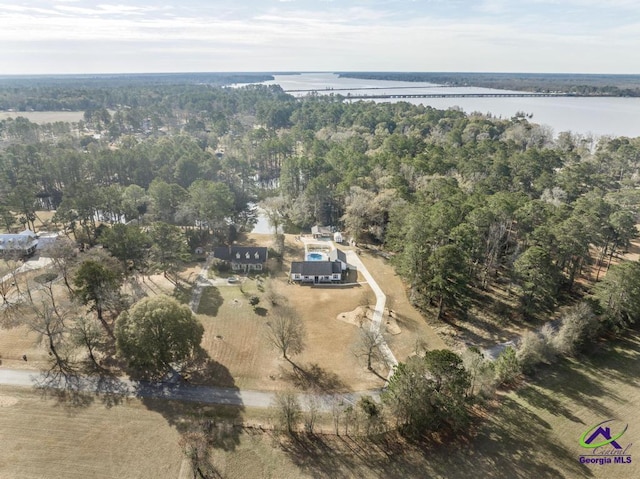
x,y
513,445
313,377
541,400
210,301
567,377
203,398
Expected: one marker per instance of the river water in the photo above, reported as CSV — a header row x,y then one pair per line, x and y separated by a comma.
x,y
596,116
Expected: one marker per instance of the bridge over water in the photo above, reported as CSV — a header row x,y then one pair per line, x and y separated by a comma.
x,y
427,94
455,95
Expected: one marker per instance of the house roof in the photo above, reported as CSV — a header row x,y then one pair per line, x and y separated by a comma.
x,y
321,230
315,268
338,254
241,254
21,241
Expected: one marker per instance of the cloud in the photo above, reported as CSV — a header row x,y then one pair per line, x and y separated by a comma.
x,y
432,35
105,9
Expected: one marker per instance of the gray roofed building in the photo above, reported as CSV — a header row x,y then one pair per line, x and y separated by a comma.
x,y
316,271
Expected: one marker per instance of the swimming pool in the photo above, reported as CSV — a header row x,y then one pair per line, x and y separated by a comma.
x,y
316,257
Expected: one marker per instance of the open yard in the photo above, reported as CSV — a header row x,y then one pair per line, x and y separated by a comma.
x,y
235,331
40,438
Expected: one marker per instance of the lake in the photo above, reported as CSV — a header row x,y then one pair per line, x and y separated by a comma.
x,y
597,116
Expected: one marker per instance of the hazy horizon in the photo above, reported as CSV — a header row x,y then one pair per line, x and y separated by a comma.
x,y
257,72
90,36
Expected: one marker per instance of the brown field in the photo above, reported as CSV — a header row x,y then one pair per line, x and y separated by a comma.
x,y
42,439
42,117
414,326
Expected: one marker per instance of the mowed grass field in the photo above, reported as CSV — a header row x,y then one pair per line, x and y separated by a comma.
x,y
40,438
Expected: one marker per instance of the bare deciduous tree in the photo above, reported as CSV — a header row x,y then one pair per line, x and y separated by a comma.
x,y
87,332
312,408
481,372
338,407
368,347
63,254
195,446
287,408
6,287
286,332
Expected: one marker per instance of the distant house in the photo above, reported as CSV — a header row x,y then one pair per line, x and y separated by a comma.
x,y
337,237
20,245
242,258
316,271
321,232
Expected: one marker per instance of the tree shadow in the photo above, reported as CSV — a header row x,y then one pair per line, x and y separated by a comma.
x,y
545,401
65,387
203,397
568,378
74,390
313,377
210,301
319,457
110,389
260,311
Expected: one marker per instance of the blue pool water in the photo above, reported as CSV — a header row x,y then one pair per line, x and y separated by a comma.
x,y
315,257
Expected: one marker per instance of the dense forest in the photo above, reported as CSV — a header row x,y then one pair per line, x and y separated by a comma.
x,y
577,84
85,92
460,202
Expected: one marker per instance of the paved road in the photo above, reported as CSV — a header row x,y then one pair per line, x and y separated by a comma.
x,y
172,391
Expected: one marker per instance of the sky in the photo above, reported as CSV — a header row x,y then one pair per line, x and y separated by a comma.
x,y
81,36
